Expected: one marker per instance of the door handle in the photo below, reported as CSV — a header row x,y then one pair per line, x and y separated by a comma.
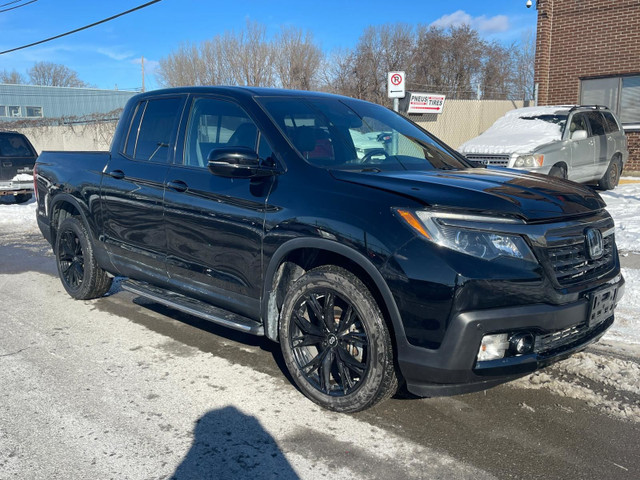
x,y
117,174
178,185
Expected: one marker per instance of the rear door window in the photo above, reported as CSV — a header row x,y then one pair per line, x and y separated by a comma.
x,y
153,129
596,122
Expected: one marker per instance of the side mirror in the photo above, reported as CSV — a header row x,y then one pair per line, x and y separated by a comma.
x,y
237,162
579,135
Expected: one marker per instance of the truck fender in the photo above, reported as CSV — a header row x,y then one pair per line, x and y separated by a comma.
x,y
269,312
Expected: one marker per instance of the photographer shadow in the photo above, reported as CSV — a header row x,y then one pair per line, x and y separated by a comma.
x,y
228,444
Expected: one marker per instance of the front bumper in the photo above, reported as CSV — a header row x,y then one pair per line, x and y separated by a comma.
x,y
452,368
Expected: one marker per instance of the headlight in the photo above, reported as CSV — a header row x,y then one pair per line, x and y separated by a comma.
x,y
528,161
444,229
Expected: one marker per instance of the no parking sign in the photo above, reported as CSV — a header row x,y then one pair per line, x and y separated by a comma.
x,y
395,84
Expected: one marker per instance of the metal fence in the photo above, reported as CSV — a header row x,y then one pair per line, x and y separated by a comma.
x,y
462,120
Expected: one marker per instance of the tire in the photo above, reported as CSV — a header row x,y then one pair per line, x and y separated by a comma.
x,y
79,272
612,176
22,197
558,172
335,341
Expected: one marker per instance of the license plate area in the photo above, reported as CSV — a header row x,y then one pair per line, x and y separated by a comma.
x,y
602,305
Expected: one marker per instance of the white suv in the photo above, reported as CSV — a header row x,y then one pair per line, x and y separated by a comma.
x,y
582,143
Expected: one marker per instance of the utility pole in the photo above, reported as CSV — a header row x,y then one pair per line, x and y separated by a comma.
x,y
142,64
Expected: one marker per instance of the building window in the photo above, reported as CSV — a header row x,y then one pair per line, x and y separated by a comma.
x,y
34,111
3,111
13,111
620,94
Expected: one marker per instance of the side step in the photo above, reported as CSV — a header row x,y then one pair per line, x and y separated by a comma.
x,y
194,307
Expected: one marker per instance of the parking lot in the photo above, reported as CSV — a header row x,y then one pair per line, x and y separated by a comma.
x,y
123,388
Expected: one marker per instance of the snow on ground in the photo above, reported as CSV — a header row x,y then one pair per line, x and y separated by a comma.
x,y
15,217
623,204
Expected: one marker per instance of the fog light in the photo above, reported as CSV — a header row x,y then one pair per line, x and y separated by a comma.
x,y
493,347
521,343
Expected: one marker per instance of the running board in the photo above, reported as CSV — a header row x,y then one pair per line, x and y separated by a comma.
x,y
194,307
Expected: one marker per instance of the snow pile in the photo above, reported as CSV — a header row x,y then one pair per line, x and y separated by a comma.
x,y
512,134
576,376
623,204
17,218
22,177
626,327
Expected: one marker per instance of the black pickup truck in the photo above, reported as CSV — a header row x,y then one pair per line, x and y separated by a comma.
x,y
17,158
375,255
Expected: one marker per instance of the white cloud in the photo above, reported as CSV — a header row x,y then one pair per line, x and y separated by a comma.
x,y
115,53
150,66
483,24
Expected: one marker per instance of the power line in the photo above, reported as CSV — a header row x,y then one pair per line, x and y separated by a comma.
x,y
17,6
81,28
11,3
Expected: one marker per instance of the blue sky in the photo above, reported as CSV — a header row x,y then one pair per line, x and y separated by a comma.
x,y
109,55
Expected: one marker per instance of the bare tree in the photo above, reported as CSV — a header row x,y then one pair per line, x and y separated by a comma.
x,y
449,60
53,74
496,75
337,74
11,77
362,73
523,58
296,59
233,58
185,66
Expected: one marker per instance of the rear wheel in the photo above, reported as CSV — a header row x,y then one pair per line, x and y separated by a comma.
x,y
335,341
22,197
79,272
611,176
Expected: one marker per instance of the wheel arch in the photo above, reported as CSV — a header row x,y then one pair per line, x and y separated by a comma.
x,y
295,257
63,206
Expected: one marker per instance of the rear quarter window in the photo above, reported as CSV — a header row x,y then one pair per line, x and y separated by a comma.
x,y
610,124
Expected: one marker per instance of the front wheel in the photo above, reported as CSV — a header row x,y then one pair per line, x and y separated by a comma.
x,y
335,341
558,172
78,269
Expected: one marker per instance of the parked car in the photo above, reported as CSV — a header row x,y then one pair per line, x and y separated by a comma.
x,y
581,143
253,209
17,158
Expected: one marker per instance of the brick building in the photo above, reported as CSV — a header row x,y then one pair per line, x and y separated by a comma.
x,y
588,51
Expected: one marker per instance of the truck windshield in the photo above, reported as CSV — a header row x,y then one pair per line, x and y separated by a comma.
x,y
356,135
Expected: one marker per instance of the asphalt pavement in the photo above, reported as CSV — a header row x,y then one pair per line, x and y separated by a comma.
x,y
120,387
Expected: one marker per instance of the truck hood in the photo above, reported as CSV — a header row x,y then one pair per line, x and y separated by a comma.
x,y
531,197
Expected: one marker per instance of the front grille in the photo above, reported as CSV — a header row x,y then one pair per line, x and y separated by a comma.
x,y
495,160
571,264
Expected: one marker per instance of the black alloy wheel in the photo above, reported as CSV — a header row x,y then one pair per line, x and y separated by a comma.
x,y
71,259
330,344
78,269
335,341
